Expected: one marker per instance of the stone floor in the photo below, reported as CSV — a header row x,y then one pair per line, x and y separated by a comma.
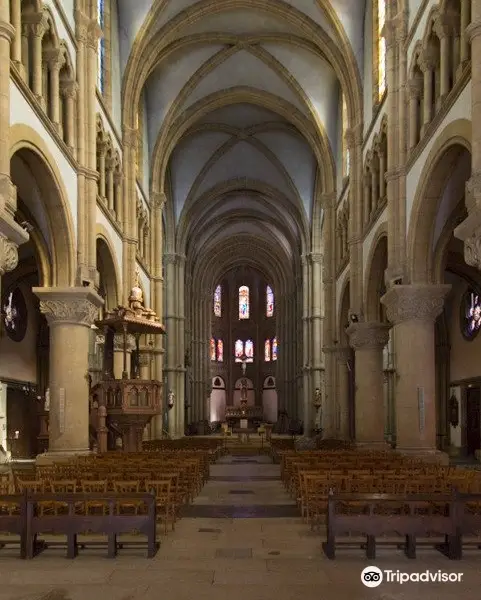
x,y
241,539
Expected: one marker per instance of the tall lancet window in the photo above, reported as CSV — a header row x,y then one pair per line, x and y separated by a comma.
x,y
220,351
218,301
267,350
380,48
238,350
101,48
212,349
269,302
274,349
249,350
243,302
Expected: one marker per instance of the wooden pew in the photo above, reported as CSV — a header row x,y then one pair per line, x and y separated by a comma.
x,y
405,522
13,518
74,523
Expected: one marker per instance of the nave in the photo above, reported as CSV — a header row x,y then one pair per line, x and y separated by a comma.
x,y
242,537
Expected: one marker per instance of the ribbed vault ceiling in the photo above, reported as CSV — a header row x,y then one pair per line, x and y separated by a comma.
x,y
243,173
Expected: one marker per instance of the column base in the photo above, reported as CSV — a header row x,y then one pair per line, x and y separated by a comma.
x,y
380,445
48,458
426,454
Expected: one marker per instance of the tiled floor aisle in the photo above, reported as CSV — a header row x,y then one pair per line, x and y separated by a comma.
x,y
241,540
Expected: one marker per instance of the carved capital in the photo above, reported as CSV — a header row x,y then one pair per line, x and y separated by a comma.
x,y
69,89
170,259
119,343
144,359
317,257
94,34
427,61
54,57
415,87
368,335
421,302
158,200
130,137
77,306
328,200
472,250
8,255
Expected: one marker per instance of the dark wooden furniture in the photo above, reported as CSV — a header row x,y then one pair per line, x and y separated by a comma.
x,y
13,519
73,522
407,516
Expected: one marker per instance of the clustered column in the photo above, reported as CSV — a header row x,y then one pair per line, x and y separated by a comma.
x,y
306,347
470,230
413,310
317,378
11,234
368,341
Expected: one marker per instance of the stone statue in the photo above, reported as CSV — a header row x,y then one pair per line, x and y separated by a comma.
x,y
46,406
170,399
318,398
136,301
243,391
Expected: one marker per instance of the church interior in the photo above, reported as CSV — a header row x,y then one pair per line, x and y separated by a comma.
x,y
240,245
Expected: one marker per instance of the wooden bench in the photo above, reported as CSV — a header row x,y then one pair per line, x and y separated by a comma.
x,y
13,518
73,523
377,520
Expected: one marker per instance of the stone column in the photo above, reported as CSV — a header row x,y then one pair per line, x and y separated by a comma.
x,y
414,95
119,371
366,199
316,320
69,92
70,313
470,230
16,20
413,310
171,328
465,33
55,60
180,354
157,200
368,341
443,33
427,68
382,175
342,397
11,234
38,30
306,399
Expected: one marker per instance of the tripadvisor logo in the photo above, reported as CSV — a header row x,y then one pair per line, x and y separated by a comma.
x,y
373,577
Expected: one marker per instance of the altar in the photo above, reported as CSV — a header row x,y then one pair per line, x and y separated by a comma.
x,y
244,417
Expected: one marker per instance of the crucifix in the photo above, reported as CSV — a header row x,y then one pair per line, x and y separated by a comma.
x,y
244,365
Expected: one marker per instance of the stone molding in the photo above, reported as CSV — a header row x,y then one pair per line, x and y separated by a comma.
x,y
119,342
419,302
77,306
368,335
7,31
8,255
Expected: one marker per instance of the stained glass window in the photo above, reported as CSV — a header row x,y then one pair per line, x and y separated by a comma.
x,y
274,349
269,301
212,349
238,350
243,302
218,301
267,350
101,48
471,314
249,350
381,47
220,350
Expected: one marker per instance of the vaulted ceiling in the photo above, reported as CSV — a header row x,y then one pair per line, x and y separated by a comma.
x,y
256,103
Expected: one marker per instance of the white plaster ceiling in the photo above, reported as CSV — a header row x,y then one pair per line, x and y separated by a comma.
x,y
242,170
349,13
